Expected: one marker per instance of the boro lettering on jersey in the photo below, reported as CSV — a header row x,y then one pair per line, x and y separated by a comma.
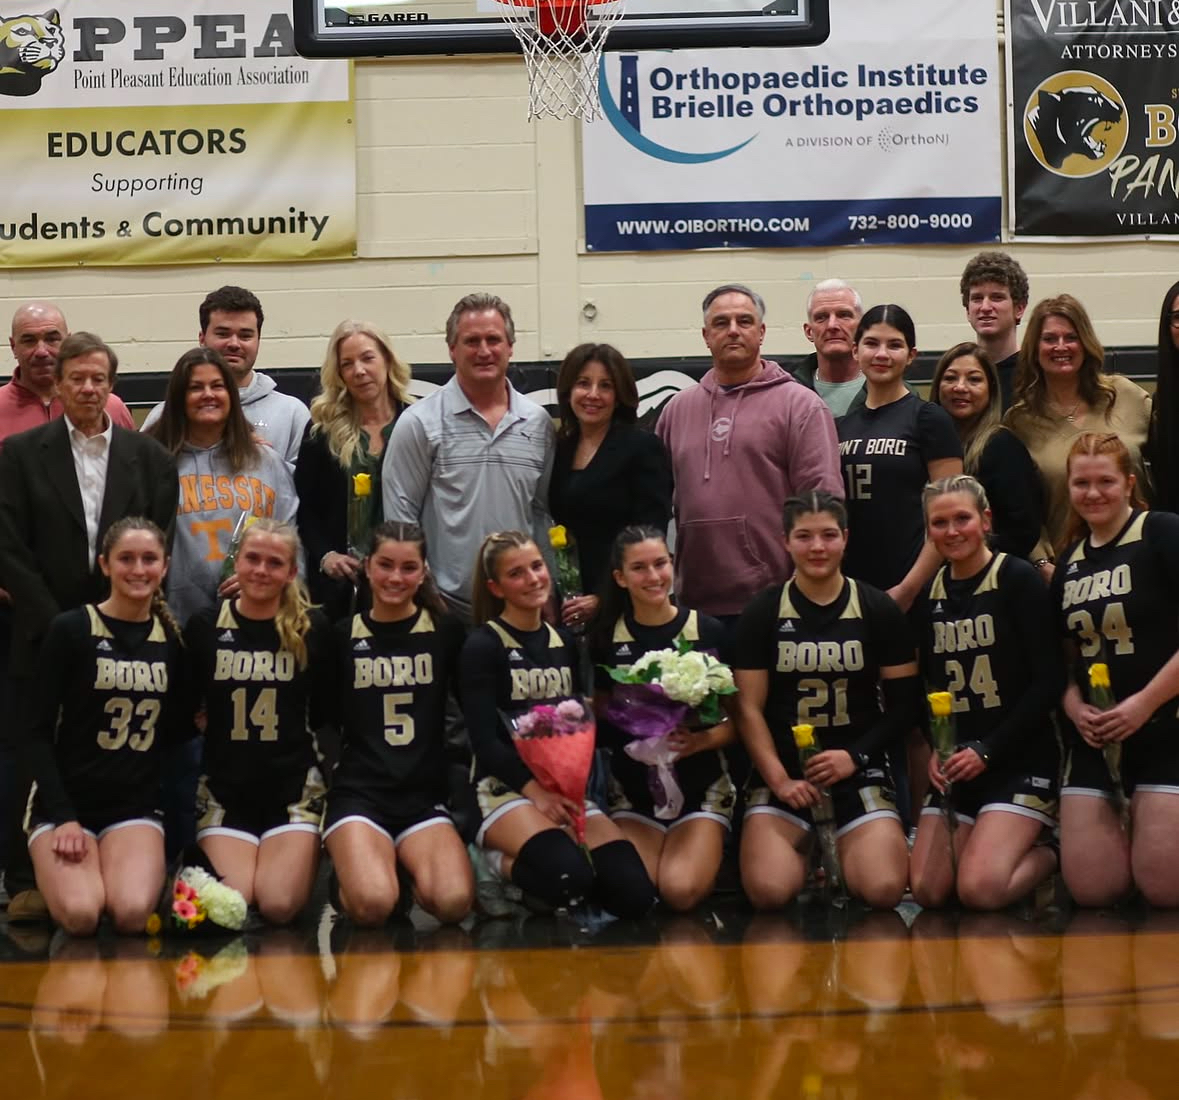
x,y
898,447
115,675
399,671
260,667
960,635
820,656
538,684
1098,586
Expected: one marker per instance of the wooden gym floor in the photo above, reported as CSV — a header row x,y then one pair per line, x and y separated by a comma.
x,y
814,1003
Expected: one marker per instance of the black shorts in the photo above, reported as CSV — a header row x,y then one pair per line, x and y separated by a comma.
x,y
1033,796
866,796
255,819
96,822
708,790
1150,762
396,822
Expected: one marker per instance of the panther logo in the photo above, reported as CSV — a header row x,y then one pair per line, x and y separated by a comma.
x,y
31,47
1075,124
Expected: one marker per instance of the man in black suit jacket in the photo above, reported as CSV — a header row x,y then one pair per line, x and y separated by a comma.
x,y
62,485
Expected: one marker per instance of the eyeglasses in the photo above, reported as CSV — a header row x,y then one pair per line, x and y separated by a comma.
x,y
1173,317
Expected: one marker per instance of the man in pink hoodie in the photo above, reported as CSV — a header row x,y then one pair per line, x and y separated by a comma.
x,y
30,399
741,441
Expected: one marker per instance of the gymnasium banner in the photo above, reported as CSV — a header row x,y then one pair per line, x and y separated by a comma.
x,y
137,132
889,133
1092,132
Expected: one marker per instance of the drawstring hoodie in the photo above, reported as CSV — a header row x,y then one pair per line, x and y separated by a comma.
x,y
729,493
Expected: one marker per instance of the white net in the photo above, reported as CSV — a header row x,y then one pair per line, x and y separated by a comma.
x,y
562,42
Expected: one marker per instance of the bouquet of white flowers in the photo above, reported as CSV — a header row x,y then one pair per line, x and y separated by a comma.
x,y
662,691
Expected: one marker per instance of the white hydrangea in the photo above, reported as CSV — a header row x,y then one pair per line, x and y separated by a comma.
x,y
224,905
686,677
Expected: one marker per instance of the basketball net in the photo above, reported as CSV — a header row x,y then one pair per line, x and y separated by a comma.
x,y
562,44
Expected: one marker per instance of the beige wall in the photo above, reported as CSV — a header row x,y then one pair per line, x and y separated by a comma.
x,y
458,191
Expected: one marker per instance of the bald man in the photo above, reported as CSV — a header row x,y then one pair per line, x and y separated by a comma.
x,y
30,399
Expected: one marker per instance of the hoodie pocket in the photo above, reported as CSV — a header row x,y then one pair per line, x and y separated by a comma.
x,y
718,567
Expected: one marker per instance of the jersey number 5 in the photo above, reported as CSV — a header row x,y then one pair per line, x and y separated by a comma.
x,y
398,724
121,711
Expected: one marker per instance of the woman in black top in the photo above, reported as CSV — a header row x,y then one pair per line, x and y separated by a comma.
x,y
109,697
987,640
397,664
889,449
254,660
363,388
682,853
966,386
1116,594
608,473
1163,444
510,663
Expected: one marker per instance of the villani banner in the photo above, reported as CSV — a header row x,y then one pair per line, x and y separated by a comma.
x,y
1094,88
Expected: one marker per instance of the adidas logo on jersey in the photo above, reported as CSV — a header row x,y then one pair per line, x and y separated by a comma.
x,y
225,636
786,628
1072,567
622,651
361,647
514,655
103,646
937,607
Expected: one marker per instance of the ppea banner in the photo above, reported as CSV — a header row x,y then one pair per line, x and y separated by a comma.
x,y
1094,90
887,134
138,132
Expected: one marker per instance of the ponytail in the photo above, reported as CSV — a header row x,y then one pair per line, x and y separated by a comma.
x,y
484,605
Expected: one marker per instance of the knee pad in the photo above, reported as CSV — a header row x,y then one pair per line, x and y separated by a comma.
x,y
552,867
621,883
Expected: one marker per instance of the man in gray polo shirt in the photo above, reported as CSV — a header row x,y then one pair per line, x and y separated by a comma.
x,y
475,456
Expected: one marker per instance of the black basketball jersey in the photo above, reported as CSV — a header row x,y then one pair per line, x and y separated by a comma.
x,y
988,641
505,672
394,680
885,455
103,712
258,739
1120,603
823,661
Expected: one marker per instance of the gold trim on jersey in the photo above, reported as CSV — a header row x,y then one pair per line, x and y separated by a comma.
x,y
510,641
99,629
853,610
689,633
1132,533
424,625
226,619
988,583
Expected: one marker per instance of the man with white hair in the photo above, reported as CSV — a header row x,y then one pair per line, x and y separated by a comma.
x,y
833,310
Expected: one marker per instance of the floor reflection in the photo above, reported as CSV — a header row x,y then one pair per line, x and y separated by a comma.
x,y
808,1004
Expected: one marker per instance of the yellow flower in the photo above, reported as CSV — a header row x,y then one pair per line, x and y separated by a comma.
x,y
940,704
804,736
152,927
558,537
1099,675
362,485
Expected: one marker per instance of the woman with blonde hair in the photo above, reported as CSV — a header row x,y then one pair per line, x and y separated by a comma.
x,y
966,384
1062,390
255,661
363,388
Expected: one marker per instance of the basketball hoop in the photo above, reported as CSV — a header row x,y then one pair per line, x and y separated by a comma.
x,y
562,43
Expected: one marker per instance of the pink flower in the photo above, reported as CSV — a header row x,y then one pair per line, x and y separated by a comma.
x,y
525,723
183,892
570,709
184,909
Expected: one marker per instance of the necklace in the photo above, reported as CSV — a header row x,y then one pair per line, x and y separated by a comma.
x,y
1071,415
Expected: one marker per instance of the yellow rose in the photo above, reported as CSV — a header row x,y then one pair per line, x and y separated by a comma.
x,y
940,704
1099,675
804,736
362,485
558,537
152,926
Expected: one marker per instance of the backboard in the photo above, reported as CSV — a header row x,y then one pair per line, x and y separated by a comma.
x,y
331,28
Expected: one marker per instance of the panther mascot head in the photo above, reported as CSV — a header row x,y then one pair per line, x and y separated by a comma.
x,y
1064,121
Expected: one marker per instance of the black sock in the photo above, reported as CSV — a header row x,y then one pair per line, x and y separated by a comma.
x,y
621,883
552,867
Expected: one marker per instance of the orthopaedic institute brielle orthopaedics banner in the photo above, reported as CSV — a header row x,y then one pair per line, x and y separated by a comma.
x,y
886,134
139,132
1094,90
